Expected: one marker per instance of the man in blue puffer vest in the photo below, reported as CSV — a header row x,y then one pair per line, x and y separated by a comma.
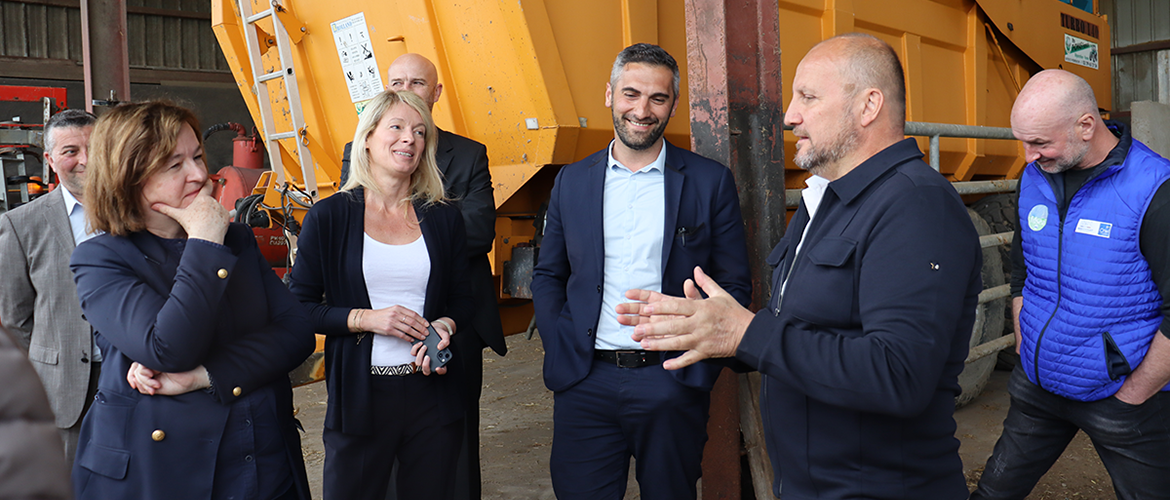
x,y
1090,268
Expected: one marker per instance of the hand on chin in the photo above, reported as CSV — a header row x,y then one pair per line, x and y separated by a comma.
x,y
200,215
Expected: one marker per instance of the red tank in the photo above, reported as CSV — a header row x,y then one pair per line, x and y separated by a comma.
x,y
237,181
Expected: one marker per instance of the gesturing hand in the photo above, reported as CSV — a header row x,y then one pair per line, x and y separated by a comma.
x,y
635,313
203,219
704,328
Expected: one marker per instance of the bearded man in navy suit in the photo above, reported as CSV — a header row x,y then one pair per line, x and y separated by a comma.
x,y
640,214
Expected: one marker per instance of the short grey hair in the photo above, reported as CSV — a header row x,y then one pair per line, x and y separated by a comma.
x,y
70,118
644,53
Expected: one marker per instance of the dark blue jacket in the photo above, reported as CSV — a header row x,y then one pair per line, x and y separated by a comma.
x,y
328,279
861,357
567,281
173,314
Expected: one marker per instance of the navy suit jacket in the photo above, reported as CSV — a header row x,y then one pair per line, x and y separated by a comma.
x,y
329,267
173,314
701,201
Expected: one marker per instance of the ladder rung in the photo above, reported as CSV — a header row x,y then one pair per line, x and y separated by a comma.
x,y
270,76
259,16
282,135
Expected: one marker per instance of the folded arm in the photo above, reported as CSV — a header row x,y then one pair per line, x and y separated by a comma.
x,y
168,331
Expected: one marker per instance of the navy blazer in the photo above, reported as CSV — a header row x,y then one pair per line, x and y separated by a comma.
x,y
329,265
567,281
222,308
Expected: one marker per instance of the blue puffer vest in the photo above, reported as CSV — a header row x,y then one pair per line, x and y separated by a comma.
x,y
1091,308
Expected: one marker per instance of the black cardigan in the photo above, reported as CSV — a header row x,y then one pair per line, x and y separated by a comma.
x,y
328,279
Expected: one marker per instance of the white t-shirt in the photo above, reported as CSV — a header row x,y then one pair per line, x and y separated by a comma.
x,y
395,275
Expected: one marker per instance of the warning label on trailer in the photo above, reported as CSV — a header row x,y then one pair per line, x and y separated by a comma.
x,y
358,65
1079,51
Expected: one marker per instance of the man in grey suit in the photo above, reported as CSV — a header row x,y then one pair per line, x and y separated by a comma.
x,y
468,181
38,300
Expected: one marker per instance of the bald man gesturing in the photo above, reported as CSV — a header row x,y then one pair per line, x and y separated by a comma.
x,y
873,297
1090,270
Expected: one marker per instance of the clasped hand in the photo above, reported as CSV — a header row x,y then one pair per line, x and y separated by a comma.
x,y
704,328
404,323
154,382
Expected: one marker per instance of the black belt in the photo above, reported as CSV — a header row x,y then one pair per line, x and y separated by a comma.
x,y
628,359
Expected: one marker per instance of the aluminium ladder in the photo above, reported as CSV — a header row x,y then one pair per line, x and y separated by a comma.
x,y
287,75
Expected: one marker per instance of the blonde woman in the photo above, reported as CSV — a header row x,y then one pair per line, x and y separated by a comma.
x,y
377,264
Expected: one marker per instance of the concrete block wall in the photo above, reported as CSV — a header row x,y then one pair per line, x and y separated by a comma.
x,y
1150,122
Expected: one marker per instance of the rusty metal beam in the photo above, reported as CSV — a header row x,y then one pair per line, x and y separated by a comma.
x,y
105,58
733,72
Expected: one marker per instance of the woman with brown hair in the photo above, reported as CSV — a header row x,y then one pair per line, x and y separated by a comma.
x,y
378,264
197,333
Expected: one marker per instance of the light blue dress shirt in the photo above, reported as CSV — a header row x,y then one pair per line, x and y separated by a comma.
x,y
80,233
633,215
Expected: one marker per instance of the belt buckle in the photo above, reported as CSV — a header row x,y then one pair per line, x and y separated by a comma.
x,y
629,359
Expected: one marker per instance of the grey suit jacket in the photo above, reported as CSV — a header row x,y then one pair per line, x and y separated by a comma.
x,y
38,301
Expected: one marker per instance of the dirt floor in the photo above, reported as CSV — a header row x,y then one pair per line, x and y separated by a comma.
x,y
516,423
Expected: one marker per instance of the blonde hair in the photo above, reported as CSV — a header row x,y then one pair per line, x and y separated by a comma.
x,y
129,144
426,183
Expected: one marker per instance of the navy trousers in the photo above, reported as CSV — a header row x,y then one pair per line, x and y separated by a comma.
x,y
1132,441
357,467
616,413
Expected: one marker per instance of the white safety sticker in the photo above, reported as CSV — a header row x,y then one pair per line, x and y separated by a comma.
x,y
1038,217
1094,228
359,68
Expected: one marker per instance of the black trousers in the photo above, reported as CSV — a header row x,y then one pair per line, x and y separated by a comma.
x,y
357,467
1132,441
616,413
468,349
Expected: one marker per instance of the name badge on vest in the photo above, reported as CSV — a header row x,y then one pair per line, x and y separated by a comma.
x,y
1094,228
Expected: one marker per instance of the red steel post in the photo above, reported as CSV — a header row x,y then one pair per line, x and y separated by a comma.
x,y
105,58
733,72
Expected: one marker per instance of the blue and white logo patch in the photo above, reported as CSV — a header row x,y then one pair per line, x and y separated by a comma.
x,y
1094,228
1038,217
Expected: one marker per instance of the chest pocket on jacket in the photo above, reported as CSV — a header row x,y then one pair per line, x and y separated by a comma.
x,y
829,285
693,238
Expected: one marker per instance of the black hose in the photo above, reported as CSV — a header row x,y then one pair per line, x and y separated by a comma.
x,y
248,212
219,127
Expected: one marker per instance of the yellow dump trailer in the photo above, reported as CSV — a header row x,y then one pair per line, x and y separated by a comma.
x,y
527,78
